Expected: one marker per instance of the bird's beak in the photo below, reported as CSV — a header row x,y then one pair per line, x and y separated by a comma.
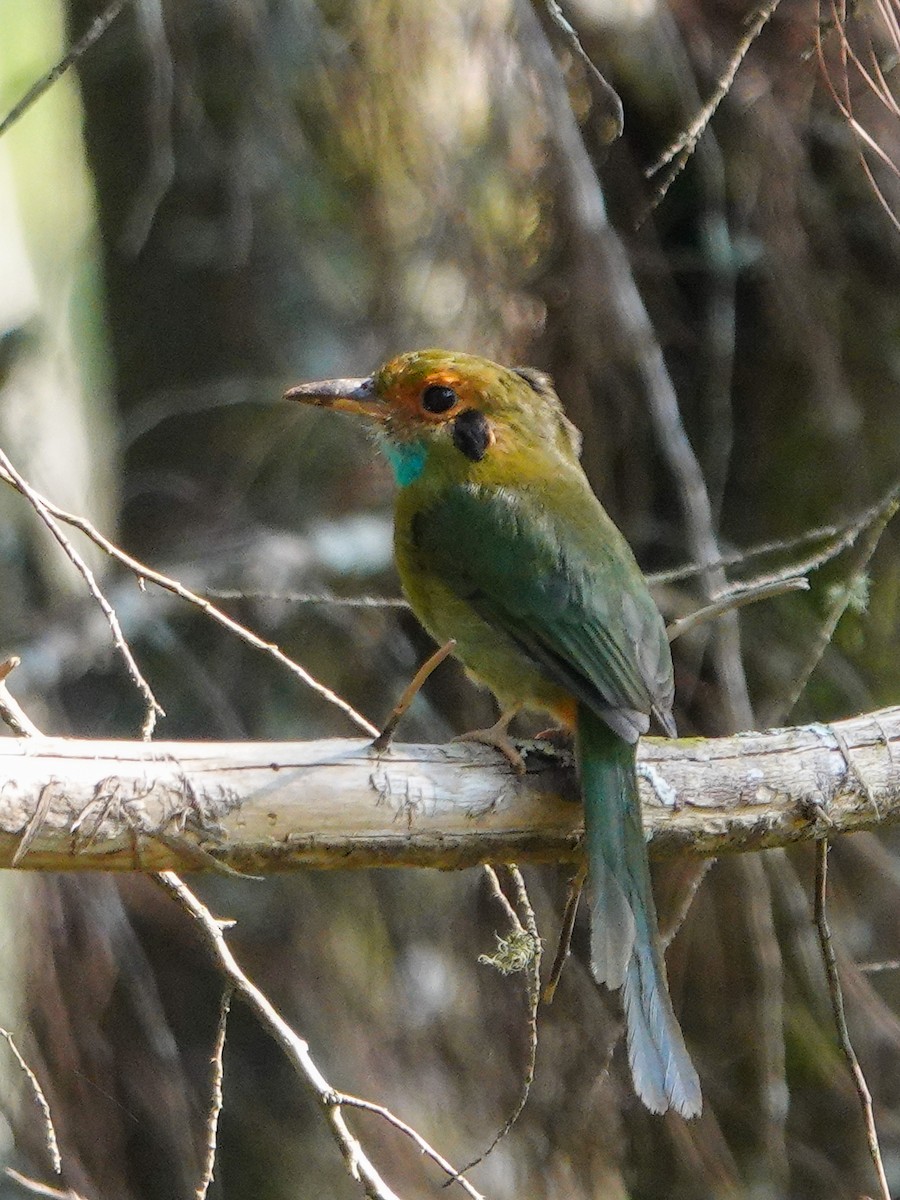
x,y
347,395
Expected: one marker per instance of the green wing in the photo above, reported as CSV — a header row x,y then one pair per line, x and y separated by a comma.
x,y
560,580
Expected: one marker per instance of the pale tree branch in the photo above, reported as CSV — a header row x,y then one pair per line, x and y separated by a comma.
x,y
262,807
566,929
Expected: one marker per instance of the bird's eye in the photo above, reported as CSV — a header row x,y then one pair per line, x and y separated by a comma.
x,y
438,398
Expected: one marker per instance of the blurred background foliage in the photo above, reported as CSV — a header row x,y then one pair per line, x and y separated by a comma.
x,y
232,197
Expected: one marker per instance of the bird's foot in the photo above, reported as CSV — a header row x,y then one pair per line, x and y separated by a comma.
x,y
558,737
497,735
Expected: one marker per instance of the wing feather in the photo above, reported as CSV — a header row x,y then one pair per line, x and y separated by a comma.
x,y
563,584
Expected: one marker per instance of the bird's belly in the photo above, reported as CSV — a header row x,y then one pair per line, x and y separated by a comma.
x,y
489,655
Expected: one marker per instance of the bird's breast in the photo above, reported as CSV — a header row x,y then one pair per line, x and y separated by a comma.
x,y
489,654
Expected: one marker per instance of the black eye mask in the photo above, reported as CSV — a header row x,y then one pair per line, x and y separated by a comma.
x,y
472,434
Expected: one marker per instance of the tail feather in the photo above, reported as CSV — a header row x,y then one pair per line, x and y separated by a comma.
x,y
625,945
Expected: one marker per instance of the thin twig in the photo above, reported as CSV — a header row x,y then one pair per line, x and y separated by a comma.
x,y
21,724
839,538
842,598
148,575
216,1098
414,1135
11,711
502,899
874,968
307,598
736,598
152,707
679,152
49,1132
534,985
95,31
525,934
573,896
844,103
357,1162
41,1189
410,692
837,1003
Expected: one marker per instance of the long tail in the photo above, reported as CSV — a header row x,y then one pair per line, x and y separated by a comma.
x,y
625,945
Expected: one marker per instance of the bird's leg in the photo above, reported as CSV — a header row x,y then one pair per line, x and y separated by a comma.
x,y
497,735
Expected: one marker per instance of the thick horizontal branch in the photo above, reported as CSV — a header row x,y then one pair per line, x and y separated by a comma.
x,y
259,807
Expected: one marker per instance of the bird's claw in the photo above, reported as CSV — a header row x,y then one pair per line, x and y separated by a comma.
x,y
557,737
497,736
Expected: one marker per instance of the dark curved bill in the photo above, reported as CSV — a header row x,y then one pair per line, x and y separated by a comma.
x,y
347,395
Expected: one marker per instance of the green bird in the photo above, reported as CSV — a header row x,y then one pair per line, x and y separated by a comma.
x,y
501,545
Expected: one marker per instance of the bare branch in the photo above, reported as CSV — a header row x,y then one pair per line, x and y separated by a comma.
x,y
11,711
215,1108
875,83
566,929
38,1092
875,968
679,152
631,323
414,1135
500,896
410,692
840,1020
146,574
153,708
837,538
96,30
263,807
520,950
295,1047
306,598
842,597
40,1189
34,825
735,598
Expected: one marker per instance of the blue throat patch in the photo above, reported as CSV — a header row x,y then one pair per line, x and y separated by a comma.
x,y
407,460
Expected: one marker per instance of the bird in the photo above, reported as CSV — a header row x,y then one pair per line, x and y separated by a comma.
x,y
501,545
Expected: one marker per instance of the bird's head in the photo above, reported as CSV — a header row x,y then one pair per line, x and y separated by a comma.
x,y
452,410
